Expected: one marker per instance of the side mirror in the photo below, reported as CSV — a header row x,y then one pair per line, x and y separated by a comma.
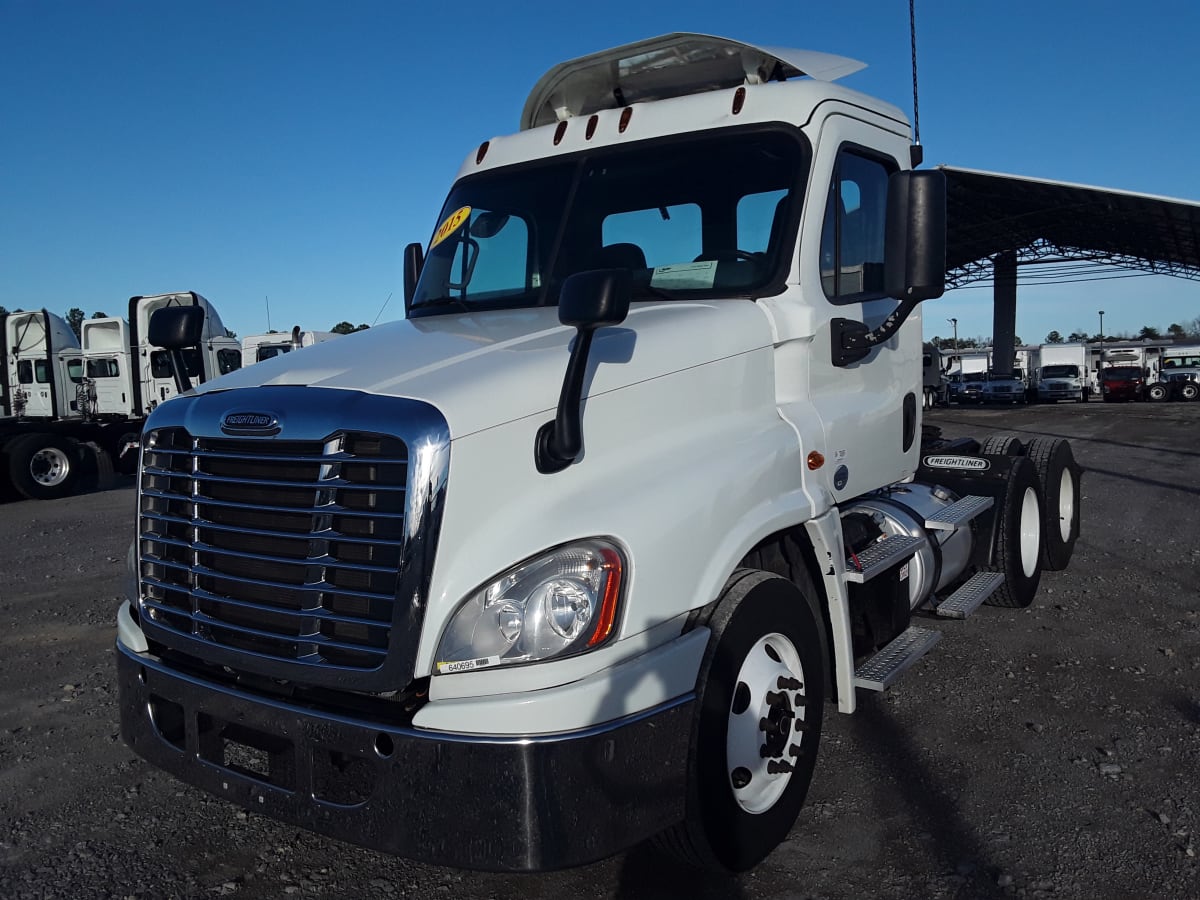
x,y
175,328
414,261
915,236
588,300
594,299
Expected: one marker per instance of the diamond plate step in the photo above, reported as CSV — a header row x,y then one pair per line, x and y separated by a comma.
x,y
882,670
963,510
970,596
881,555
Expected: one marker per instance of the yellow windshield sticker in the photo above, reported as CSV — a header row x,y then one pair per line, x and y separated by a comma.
x,y
452,224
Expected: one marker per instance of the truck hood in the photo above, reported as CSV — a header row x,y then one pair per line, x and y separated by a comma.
x,y
488,368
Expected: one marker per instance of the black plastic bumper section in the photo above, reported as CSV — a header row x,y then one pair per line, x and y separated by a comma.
x,y
499,804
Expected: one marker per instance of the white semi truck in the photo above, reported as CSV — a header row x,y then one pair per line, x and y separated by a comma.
x,y
577,554
1060,372
59,400
258,348
1178,375
935,385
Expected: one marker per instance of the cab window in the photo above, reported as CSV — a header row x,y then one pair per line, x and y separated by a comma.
x,y
852,236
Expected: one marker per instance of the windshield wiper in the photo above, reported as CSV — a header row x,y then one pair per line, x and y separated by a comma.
x,y
442,302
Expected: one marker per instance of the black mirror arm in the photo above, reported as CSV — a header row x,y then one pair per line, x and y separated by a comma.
x,y
179,365
559,442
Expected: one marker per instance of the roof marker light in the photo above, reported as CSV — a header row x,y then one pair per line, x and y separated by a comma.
x,y
626,115
482,152
591,127
559,132
739,100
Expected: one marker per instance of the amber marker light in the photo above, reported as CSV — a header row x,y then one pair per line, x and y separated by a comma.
x,y
739,100
559,132
626,115
607,616
482,152
591,127
815,460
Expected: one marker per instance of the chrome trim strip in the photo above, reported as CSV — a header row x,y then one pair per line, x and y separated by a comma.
x,y
328,535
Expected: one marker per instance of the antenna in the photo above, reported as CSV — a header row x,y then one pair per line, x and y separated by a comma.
x,y
267,300
382,308
916,151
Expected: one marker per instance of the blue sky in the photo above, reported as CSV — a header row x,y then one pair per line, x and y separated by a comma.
x,y
289,150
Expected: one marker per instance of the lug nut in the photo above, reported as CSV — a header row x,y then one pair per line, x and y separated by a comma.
x,y
788,684
778,767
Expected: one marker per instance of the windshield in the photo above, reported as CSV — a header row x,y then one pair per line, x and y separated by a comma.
x,y
698,217
1181,362
1128,373
1060,372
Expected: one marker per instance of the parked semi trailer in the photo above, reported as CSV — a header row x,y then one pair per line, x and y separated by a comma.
x,y
577,554
63,404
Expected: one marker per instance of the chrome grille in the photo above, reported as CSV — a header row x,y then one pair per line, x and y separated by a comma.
x,y
290,550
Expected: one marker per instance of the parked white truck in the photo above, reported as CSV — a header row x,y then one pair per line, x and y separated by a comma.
x,y
575,555
258,348
1179,375
60,401
935,385
1060,372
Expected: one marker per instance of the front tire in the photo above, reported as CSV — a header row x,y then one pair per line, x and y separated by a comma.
x,y
43,466
1157,392
758,711
1189,391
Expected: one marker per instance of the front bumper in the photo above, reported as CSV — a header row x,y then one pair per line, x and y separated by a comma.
x,y
498,804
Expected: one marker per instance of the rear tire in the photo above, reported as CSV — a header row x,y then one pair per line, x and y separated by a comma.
x,y
1059,475
760,691
1189,391
1018,549
43,466
1002,445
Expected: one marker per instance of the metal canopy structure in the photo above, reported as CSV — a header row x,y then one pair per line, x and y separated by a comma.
x,y
991,214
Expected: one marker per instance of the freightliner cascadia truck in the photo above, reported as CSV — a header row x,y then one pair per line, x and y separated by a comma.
x,y
578,554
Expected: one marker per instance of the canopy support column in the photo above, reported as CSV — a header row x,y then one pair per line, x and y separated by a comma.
x,y
1004,315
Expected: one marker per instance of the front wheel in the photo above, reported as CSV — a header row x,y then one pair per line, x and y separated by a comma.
x,y
758,711
1157,392
43,466
1189,391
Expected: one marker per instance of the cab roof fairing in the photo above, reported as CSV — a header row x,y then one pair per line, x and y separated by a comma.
x,y
672,65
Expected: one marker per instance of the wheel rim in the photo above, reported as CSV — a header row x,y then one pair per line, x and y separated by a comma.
x,y
49,467
1066,505
766,721
1031,532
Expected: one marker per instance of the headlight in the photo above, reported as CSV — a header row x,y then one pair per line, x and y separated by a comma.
x,y
560,603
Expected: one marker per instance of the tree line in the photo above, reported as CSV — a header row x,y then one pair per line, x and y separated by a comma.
x,y
1174,332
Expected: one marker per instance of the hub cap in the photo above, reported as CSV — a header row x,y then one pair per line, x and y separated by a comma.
x,y
49,467
766,723
1031,532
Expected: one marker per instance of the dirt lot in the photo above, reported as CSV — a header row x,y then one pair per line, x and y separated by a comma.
x,y
1048,752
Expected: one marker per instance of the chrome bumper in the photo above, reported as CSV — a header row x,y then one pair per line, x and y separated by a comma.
x,y
499,804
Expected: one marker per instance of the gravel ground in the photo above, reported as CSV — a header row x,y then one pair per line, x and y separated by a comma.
x,y
1049,752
